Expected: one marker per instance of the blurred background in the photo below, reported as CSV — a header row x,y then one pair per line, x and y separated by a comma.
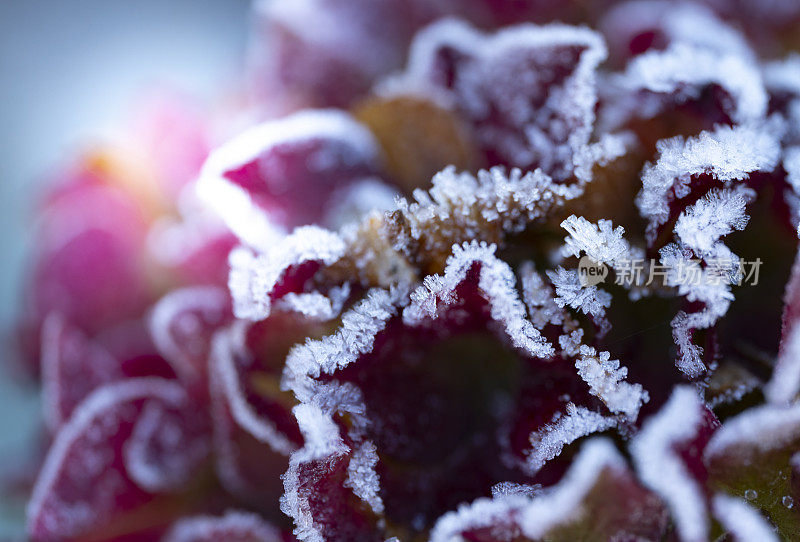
x,y
71,72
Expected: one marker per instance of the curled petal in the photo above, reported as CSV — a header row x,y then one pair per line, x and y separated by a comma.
x,y
182,324
598,498
741,520
84,487
528,91
72,366
634,27
667,454
284,173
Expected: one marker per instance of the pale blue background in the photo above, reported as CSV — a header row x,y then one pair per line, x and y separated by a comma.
x,y
69,70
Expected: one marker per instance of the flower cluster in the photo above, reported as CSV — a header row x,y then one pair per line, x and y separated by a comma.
x,y
362,318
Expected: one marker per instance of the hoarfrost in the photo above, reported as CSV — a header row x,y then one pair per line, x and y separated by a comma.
x,y
606,381
496,282
460,206
562,503
726,153
601,242
564,429
718,213
226,380
234,203
760,429
571,292
544,119
517,516
61,505
254,277
662,469
362,478
681,22
539,298
354,338
684,69
742,520
178,330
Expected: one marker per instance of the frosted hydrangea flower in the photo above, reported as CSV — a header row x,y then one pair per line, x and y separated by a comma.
x,y
363,317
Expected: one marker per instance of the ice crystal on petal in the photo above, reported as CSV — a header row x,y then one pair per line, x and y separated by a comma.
x,y
689,359
182,323
783,75
684,69
83,479
791,163
226,379
562,503
194,245
566,509
315,305
260,181
635,26
717,214
754,455
539,298
362,478
759,429
231,527
565,429
167,447
742,520
500,514
253,430
354,338
571,292
601,242
496,282
711,286
606,381
529,91
316,481
663,470
726,153
784,385
72,367
255,277
460,207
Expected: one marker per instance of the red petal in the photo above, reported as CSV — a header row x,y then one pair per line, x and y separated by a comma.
x,y
232,527
84,487
183,323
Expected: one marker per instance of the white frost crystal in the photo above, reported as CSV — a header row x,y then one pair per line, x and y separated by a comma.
x,y
496,283
727,154
742,520
564,429
685,68
545,123
606,380
662,469
254,276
